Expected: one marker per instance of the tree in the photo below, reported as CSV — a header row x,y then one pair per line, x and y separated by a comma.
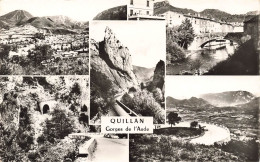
x,y
186,34
58,127
173,118
194,124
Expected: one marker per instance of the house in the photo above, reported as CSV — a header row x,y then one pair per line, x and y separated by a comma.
x,y
142,10
173,18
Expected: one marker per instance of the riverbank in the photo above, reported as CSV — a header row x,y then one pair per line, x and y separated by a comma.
x,y
243,62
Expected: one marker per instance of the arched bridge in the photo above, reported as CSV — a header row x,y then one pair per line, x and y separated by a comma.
x,y
216,42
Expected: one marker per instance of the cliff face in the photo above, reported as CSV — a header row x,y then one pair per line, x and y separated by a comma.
x,y
158,78
111,58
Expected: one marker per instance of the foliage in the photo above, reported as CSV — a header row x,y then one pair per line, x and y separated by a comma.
x,y
163,148
4,52
178,131
173,118
84,108
247,149
186,34
76,89
173,51
58,127
102,93
194,124
145,104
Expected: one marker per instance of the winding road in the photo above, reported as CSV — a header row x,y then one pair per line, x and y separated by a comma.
x,y
212,134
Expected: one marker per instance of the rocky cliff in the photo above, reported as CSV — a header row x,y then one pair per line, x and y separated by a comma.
x,y
113,59
159,74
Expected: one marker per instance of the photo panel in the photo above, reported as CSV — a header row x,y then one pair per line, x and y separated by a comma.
x,y
208,118
127,69
40,113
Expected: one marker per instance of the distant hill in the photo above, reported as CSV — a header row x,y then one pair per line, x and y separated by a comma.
x,y
65,21
14,17
230,98
39,22
21,17
164,6
222,16
143,74
115,13
192,102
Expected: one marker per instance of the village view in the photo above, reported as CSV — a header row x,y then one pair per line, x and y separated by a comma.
x,y
41,46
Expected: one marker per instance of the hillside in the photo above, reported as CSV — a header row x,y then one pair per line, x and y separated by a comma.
x,y
15,17
115,13
164,6
39,22
192,102
66,22
222,16
161,7
143,74
59,24
230,98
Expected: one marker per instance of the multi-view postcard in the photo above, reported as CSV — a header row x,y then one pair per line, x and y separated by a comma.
x,y
129,80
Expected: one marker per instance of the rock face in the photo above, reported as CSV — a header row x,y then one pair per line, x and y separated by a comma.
x,y
111,58
159,74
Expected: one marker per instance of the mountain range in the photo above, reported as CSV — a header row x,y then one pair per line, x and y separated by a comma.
x,y
164,6
22,17
192,102
230,98
224,99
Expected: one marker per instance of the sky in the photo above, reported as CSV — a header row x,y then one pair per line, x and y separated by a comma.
x,y
184,87
230,6
146,40
80,10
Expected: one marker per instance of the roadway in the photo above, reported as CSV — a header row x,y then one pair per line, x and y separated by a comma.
x,y
111,150
213,134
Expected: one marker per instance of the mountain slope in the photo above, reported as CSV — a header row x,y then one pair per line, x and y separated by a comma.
x,y
192,102
143,74
115,13
222,16
39,22
17,16
229,98
66,22
164,6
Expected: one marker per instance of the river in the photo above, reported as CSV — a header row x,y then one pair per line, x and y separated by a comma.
x,y
200,60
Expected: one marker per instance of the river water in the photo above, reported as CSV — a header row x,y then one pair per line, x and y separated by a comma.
x,y
200,60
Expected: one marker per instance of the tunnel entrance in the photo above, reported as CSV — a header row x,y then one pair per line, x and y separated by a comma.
x,y
45,109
